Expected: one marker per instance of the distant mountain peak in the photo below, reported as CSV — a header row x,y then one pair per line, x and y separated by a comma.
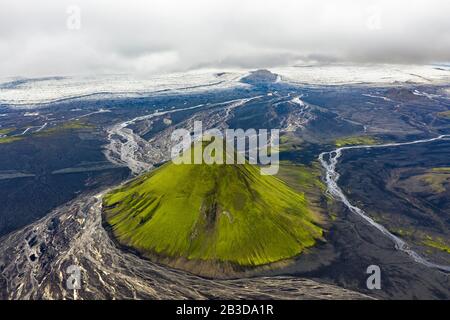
x,y
260,76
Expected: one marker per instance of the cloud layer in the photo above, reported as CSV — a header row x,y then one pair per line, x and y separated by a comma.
x,y
40,38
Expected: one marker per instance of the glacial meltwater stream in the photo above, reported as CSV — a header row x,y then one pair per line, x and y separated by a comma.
x,y
329,161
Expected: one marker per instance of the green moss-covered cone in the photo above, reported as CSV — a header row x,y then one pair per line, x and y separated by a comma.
x,y
215,213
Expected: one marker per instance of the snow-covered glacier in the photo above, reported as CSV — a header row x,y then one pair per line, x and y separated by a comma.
x,y
378,74
29,92
22,93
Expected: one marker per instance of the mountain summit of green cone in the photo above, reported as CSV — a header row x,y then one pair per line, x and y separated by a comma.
x,y
219,214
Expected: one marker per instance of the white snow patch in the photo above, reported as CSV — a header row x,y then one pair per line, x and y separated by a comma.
x,y
31,114
298,101
377,97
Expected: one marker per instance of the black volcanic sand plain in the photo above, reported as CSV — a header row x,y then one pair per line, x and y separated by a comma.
x,y
405,189
416,213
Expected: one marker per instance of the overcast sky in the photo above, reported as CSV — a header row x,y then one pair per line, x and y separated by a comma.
x,y
43,38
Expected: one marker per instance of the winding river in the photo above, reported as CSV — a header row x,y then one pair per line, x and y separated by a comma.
x,y
329,161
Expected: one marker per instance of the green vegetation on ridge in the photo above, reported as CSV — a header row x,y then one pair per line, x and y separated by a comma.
x,y
8,139
356,140
437,243
5,131
437,179
444,114
69,125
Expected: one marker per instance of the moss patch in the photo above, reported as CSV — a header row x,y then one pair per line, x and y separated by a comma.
x,y
437,179
10,139
402,232
437,243
69,125
356,140
301,177
289,142
444,114
4,131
